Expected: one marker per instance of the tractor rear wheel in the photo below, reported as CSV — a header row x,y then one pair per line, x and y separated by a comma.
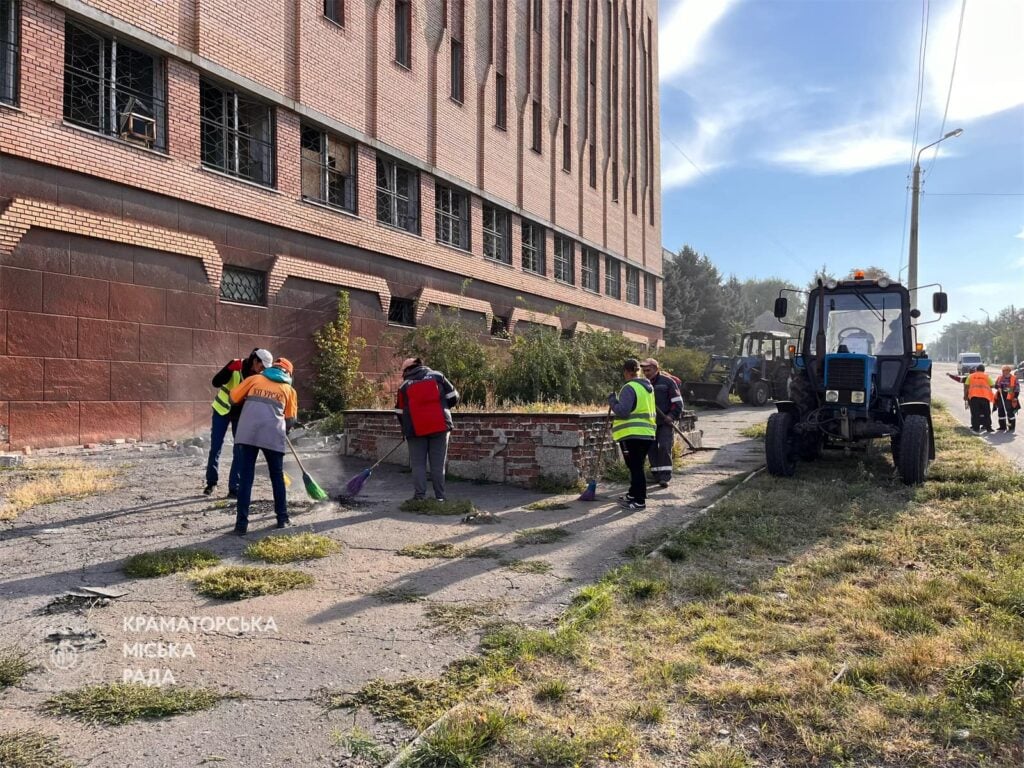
x,y
917,388
758,393
912,454
779,449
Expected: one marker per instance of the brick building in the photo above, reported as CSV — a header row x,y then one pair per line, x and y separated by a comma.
x,y
183,180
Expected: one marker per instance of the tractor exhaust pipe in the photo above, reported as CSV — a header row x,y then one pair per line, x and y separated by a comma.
x,y
819,338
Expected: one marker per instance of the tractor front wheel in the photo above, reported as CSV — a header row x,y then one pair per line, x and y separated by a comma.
x,y
780,455
912,452
758,394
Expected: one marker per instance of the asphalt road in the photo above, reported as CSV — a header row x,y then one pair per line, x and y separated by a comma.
x,y
951,393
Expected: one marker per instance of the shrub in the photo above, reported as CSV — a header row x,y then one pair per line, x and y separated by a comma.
x,y
337,383
538,368
449,344
687,364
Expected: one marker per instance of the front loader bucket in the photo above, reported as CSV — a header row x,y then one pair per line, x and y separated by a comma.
x,y
707,393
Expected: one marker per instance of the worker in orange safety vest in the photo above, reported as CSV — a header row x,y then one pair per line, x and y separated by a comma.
x,y
1007,399
978,394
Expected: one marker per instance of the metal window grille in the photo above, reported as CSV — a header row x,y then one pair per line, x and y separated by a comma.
x,y
402,311
496,235
633,285
328,169
499,327
612,278
458,91
533,248
564,267
398,201
10,51
335,11
650,292
113,88
237,134
589,276
452,216
245,286
403,32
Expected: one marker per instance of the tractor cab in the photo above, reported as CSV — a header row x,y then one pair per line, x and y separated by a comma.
x,y
859,374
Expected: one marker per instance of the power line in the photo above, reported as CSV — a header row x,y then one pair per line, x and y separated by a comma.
x,y
686,157
952,76
922,48
974,194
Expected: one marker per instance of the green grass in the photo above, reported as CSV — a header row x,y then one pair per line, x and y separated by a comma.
x,y
359,743
29,749
439,550
836,618
461,741
163,562
119,703
290,548
243,581
540,536
548,505
555,690
435,507
14,665
526,566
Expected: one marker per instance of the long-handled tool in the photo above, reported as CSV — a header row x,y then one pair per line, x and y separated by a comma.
x,y
681,433
590,493
355,485
316,493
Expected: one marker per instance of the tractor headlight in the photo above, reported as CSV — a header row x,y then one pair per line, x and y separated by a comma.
x,y
857,397
831,396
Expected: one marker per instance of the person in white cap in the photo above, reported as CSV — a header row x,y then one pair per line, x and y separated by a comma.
x,y
225,414
423,405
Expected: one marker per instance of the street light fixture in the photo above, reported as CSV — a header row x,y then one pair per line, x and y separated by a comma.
x,y
915,196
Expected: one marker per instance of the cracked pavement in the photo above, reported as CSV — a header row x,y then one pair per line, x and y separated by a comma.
x,y
336,635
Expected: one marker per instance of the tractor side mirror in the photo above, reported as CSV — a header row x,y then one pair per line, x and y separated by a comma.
x,y
782,305
940,303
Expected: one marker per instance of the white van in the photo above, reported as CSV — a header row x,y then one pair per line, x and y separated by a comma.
x,y
966,362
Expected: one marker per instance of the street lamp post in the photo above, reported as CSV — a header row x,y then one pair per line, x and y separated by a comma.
x,y
914,205
988,332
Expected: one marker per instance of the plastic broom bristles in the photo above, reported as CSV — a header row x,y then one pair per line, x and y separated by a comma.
x,y
316,493
355,485
590,493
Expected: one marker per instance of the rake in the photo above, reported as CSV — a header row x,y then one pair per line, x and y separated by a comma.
x,y
590,493
316,493
355,485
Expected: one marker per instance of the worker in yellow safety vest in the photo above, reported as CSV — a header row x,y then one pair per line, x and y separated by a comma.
x,y
634,429
226,414
978,395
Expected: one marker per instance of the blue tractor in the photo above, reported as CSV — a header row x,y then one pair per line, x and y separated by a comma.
x,y
759,371
859,375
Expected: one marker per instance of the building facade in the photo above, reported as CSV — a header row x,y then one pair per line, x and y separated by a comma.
x,y
183,181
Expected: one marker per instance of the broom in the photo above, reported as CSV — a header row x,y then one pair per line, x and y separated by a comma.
x,y
355,485
590,493
316,493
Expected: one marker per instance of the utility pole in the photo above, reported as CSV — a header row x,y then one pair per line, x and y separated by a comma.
x,y
1013,332
915,194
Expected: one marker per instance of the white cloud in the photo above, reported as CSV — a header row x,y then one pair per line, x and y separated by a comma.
x,y
1020,235
847,149
990,62
683,32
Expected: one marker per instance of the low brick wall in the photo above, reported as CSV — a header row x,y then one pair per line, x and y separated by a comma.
x,y
514,448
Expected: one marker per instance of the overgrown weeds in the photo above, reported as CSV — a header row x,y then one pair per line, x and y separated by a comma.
x,y
30,749
243,581
359,743
462,740
15,664
291,548
119,703
163,562
58,481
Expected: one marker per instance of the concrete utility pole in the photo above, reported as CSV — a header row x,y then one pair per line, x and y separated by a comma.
x,y
914,206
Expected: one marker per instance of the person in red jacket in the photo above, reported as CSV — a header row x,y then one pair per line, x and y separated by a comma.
x,y
423,405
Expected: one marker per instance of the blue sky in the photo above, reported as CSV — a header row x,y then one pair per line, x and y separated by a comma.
x,y
798,117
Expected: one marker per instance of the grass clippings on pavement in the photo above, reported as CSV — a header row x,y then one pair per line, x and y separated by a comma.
x,y
460,618
396,595
526,566
548,505
148,565
291,548
755,431
31,486
440,550
239,582
119,703
15,664
834,618
435,507
540,536
30,749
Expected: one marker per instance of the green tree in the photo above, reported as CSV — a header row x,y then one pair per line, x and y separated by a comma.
x,y
696,314
451,345
337,383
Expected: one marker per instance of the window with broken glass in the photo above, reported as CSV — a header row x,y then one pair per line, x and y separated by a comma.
x,y
328,169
